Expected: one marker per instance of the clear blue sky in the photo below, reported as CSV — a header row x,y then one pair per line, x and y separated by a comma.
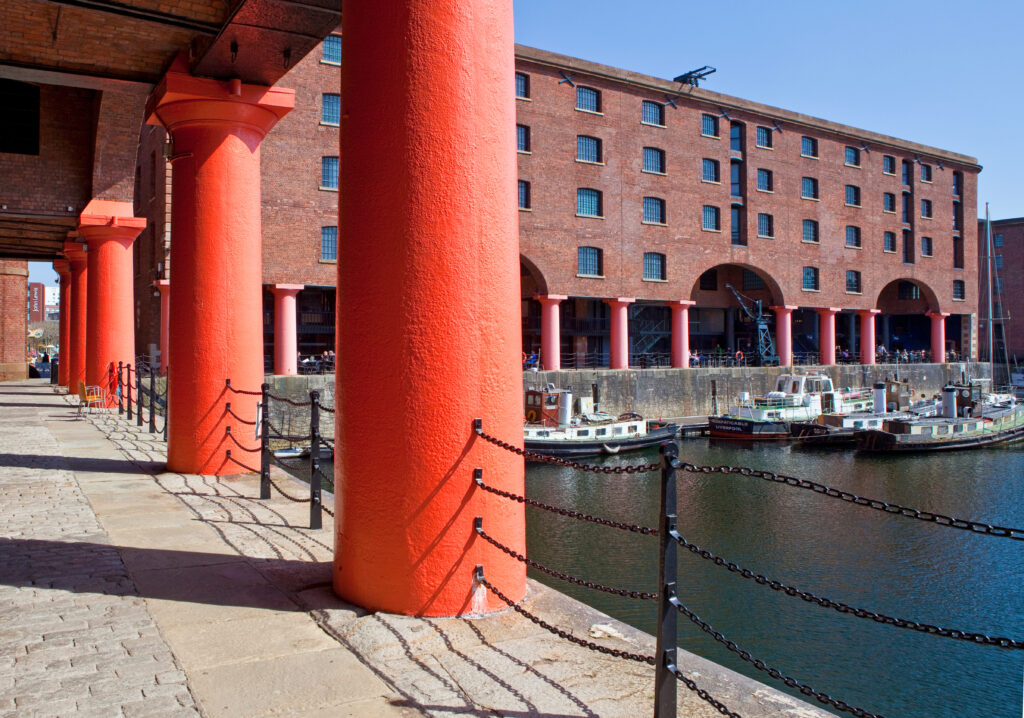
x,y
946,74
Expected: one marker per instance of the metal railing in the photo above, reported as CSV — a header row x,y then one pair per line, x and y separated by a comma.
x,y
144,398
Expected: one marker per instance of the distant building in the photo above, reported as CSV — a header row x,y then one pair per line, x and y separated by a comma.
x,y
1007,270
51,303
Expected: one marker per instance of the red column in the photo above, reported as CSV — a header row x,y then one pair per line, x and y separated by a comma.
x,y
938,336
75,353
620,332
550,331
784,333
63,269
216,128
681,332
827,335
164,287
867,335
285,333
109,230
427,171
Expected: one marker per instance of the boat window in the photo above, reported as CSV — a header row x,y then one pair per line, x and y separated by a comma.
x,y
942,430
616,430
600,432
780,383
551,400
926,430
796,387
533,400
815,385
826,385
543,433
957,428
635,427
858,425
583,432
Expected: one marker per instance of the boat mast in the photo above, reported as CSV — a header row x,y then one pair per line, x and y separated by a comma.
x,y
988,281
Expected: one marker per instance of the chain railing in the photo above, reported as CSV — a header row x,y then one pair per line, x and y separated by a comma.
x,y
136,392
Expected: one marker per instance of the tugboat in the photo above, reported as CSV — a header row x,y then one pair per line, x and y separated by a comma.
x,y
796,397
553,429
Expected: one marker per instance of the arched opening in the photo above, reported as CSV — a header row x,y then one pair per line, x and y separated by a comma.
x,y
903,326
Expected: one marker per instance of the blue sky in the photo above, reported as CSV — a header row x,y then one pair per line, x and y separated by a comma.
x,y
946,74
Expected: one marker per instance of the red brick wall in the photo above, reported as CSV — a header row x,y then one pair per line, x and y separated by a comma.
x,y
1010,302
13,320
118,119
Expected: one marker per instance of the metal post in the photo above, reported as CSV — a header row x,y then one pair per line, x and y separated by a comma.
x,y
138,396
316,518
265,442
152,401
128,383
665,654
120,389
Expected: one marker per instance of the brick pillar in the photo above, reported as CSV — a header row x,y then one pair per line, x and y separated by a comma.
x,y
285,329
938,336
867,335
164,287
784,333
63,269
550,331
13,320
620,332
827,335
77,324
681,332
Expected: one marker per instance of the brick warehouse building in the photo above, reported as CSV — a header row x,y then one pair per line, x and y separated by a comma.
x,y
1007,288
641,200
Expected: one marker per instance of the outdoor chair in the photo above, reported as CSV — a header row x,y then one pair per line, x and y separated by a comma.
x,y
89,397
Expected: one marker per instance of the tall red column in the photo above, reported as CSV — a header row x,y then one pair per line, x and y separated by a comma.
x,y
681,332
285,333
109,230
428,172
63,269
77,327
619,355
550,331
827,335
217,304
867,335
938,336
164,287
784,333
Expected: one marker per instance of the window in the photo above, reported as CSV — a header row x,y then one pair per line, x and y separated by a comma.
x,y
711,218
926,208
811,231
908,247
329,173
959,289
654,210
588,202
329,243
522,85
654,266
709,280
926,246
589,262
958,184
906,208
889,242
853,157
808,147
888,164
958,217
765,225
997,240
710,171
958,252
926,172
907,175
524,194
654,160
889,202
588,149
764,180
736,179
997,286
998,261
852,282
752,280
809,188
853,236
736,226
736,136
810,281
20,129
652,113
764,137
853,195
331,110
709,125
331,50
588,99
907,291
522,138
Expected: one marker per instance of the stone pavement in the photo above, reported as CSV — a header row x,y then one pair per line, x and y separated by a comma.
x,y
126,590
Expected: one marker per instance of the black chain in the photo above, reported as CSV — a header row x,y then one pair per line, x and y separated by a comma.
x,y
325,408
239,444
701,693
642,595
327,510
243,392
544,458
762,666
287,496
327,442
941,519
286,400
565,634
247,468
567,512
841,607
239,419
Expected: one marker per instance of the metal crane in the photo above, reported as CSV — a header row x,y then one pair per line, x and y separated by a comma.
x,y
765,344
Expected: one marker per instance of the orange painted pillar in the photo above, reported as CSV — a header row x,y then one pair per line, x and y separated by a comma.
x,y
551,331
109,229
285,333
164,287
827,335
681,332
63,269
784,333
867,335
217,303
938,336
619,358
429,324
75,353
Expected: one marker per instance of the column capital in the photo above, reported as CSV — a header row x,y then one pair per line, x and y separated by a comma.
x,y
680,303
784,308
866,312
550,297
162,284
828,310
937,315
62,267
285,288
75,251
620,300
104,220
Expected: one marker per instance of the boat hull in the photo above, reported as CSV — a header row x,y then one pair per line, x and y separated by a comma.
x,y
601,447
883,441
813,434
731,427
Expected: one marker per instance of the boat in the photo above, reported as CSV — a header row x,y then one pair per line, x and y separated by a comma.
x,y
552,428
796,397
966,421
302,452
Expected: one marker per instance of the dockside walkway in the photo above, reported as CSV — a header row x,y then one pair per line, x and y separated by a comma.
x,y
126,590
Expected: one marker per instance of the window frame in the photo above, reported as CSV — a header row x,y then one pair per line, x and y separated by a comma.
x,y
706,118
813,274
959,288
655,152
886,197
657,202
816,233
763,132
581,91
323,51
598,147
715,213
708,162
525,185
769,176
813,142
598,256
644,104
768,220
815,191
598,197
523,148
853,152
926,204
854,190
854,236
325,237
885,160
885,237
927,246
525,77
325,163
324,111
927,172
659,263
857,282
